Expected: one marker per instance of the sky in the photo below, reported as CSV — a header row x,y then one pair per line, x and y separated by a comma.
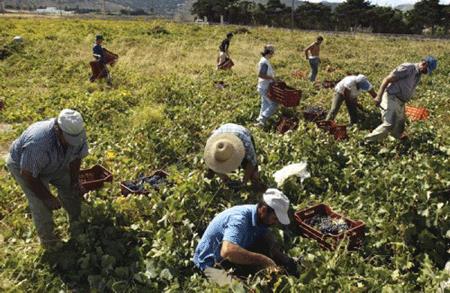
x,y
385,2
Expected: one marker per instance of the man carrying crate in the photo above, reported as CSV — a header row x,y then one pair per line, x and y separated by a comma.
x,y
266,75
347,90
99,66
50,152
239,239
395,91
224,55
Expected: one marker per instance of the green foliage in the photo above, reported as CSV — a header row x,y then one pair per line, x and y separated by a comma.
x,y
159,113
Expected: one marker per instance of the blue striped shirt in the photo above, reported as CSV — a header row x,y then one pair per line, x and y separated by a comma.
x,y
39,151
237,225
244,135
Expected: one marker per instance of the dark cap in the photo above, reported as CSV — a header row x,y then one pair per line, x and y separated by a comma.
x,y
229,35
98,37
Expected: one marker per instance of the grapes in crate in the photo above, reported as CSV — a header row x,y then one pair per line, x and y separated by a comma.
x,y
327,225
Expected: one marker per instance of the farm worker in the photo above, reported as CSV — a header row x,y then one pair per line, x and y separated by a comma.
x,y
239,238
229,147
99,55
312,53
348,89
50,152
224,55
395,91
266,75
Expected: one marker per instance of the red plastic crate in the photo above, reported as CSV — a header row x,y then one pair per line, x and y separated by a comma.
x,y
338,131
287,123
124,190
227,64
415,113
284,94
93,178
355,233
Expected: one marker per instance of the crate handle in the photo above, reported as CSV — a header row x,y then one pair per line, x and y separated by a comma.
x,y
308,213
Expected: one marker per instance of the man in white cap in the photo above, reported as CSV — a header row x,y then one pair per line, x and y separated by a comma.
x,y
347,90
228,148
50,152
395,91
239,238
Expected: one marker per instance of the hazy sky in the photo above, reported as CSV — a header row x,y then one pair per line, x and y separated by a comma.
x,y
386,2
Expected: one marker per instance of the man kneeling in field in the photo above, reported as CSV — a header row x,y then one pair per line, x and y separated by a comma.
x,y
229,147
239,238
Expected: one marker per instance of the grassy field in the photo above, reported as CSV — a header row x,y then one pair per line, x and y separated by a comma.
x,y
158,115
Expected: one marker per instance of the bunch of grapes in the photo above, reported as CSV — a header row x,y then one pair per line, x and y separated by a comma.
x,y
327,225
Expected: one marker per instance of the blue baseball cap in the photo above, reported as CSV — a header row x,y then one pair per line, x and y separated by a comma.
x,y
363,83
431,63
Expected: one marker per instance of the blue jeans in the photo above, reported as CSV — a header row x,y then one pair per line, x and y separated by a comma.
x,y
268,107
314,63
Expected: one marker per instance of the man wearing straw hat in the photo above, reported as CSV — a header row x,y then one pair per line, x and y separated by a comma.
x,y
229,147
395,91
238,238
50,152
347,90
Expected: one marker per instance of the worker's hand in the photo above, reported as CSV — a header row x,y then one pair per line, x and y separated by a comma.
x,y
52,203
377,101
267,262
291,268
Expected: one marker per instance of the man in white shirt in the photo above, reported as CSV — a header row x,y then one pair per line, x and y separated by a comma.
x,y
348,89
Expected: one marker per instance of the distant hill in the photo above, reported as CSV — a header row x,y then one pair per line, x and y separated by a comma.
x,y
404,7
161,7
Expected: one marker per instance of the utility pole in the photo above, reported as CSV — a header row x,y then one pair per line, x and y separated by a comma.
x,y
292,14
2,6
103,7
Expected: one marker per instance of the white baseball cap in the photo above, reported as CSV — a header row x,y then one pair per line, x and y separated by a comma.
x,y
279,203
72,126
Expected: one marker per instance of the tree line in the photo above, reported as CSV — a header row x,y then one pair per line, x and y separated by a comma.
x,y
350,15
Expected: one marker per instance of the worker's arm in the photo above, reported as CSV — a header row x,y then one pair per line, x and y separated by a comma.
x,y
263,72
389,79
40,190
238,255
307,49
373,93
74,167
250,173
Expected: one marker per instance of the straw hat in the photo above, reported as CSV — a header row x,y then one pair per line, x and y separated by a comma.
x,y
224,153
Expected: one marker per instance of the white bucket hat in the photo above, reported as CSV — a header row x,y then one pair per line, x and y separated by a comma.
x,y
224,152
279,203
72,126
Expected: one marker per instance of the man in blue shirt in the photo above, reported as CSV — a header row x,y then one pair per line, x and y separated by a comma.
x,y
99,56
239,238
50,152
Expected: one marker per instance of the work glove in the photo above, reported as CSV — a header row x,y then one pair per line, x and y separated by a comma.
x,y
291,268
